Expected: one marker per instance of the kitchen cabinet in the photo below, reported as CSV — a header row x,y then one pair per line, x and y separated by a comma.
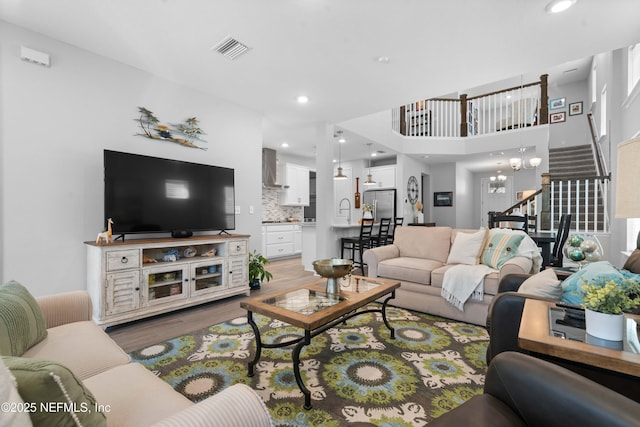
x,y
282,240
296,186
384,176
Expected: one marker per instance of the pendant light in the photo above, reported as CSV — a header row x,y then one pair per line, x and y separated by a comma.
x,y
369,180
341,140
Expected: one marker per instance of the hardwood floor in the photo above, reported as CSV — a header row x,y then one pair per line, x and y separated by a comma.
x,y
135,335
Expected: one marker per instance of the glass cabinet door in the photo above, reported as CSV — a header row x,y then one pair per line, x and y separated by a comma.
x,y
166,283
208,276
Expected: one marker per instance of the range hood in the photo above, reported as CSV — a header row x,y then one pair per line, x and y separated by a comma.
x,y
269,168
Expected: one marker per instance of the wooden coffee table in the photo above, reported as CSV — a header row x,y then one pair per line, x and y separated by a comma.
x,y
310,308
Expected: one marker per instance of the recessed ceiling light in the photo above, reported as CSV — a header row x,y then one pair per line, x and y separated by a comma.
x,y
302,99
557,6
383,59
374,154
342,140
335,161
284,145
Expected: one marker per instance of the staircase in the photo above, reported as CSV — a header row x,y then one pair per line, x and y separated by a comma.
x,y
571,162
576,190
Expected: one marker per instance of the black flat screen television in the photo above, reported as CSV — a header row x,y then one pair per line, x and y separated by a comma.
x,y
144,194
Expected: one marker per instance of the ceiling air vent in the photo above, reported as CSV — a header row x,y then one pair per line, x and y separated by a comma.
x,y
230,48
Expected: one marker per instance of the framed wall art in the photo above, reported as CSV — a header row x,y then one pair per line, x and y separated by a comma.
x,y
575,108
557,117
557,103
443,198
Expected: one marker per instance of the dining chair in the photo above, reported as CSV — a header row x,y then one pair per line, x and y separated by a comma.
x,y
561,238
514,222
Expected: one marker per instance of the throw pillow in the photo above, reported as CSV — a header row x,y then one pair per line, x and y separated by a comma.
x,y
60,398
593,272
466,248
13,415
500,248
544,284
22,323
632,263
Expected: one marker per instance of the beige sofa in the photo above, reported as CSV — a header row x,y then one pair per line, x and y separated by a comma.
x,y
418,259
130,394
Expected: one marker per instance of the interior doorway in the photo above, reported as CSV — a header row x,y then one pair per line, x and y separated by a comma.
x,y
425,196
494,196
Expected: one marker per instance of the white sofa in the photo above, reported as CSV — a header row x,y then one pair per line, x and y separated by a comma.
x,y
418,259
128,393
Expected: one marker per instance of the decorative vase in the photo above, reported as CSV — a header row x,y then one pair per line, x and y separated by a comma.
x,y
367,215
606,326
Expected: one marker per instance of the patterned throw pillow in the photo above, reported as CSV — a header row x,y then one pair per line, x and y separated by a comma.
x,y
500,248
58,396
22,323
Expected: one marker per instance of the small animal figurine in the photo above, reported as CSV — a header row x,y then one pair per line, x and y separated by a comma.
x,y
147,259
211,252
106,236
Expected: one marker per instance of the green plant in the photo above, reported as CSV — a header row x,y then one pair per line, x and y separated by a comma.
x,y
256,267
612,297
367,208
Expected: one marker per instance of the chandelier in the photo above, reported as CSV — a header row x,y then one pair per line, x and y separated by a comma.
x,y
518,163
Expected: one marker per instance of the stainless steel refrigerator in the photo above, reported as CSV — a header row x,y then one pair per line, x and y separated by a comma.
x,y
383,201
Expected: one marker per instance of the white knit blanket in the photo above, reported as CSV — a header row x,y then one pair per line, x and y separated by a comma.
x,y
462,282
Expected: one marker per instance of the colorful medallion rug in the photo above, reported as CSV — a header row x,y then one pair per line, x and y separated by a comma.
x,y
356,373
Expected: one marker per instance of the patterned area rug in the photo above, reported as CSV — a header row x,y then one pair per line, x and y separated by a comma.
x,y
355,372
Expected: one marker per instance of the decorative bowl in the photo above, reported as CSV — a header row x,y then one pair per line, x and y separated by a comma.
x,y
332,269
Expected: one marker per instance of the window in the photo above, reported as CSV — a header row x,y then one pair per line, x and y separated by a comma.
x,y
594,87
603,111
633,66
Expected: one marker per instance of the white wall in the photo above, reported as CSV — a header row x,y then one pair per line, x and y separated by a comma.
x,y
463,202
407,167
575,130
57,121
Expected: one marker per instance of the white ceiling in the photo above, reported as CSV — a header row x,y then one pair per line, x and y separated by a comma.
x,y
328,49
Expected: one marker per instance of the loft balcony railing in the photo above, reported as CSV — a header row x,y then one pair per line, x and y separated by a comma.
x,y
511,108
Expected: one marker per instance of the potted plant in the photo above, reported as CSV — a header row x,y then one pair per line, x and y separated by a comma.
x,y
604,304
257,272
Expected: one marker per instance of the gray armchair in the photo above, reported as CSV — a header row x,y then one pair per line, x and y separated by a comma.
x,y
520,390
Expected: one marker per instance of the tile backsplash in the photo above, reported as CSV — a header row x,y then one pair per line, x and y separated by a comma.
x,y
272,211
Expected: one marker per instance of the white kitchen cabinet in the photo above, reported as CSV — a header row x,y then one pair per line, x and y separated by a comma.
x,y
384,176
297,239
296,186
280,240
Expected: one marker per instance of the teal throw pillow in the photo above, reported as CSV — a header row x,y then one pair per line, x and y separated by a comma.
x,y
22,324
598,272
500,248
55,395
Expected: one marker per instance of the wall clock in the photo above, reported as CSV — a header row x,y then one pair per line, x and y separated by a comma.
x,y
412,190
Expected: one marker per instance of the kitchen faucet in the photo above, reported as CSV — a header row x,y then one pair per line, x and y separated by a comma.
x,y
348,209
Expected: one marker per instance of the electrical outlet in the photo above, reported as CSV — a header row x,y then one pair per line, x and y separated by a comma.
x,y
237,210
251,210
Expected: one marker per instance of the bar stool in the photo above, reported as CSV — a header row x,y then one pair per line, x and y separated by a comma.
x,y
383,232
357,245
397,222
